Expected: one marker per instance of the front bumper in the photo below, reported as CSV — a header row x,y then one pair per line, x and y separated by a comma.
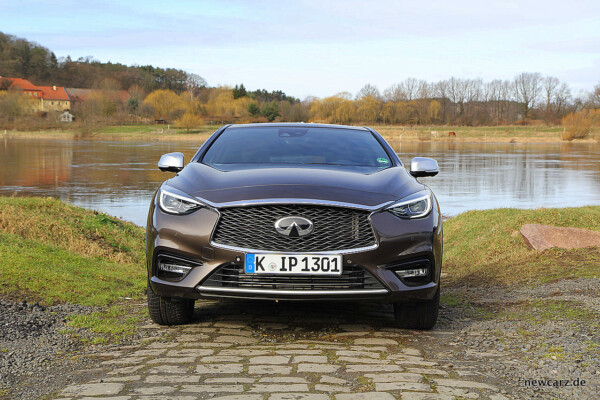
x,y
399,243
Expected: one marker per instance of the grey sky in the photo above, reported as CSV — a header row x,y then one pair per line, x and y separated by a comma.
x,y
324,47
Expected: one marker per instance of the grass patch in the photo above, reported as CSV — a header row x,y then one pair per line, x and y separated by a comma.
x,y
365,384
113,323
486,248
49,274
53,253
460,301
86,233
555,353
565,312
454,300
561,310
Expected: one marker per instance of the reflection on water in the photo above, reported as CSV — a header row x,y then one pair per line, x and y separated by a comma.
x,y
120,177
483,176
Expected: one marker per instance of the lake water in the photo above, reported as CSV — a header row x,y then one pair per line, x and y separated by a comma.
x,y
120,177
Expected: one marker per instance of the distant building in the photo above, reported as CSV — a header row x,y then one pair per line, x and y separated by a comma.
x,y
44,98
66,116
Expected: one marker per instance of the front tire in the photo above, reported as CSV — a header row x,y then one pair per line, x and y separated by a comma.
x,y
169,310
421,315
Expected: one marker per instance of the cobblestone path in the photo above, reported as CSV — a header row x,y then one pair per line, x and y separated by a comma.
x,y
310,351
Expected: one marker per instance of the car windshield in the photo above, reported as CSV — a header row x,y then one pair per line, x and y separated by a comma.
x,y
297,145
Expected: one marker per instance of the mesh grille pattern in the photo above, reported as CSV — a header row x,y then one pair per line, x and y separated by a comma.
x,y
253,227
352,277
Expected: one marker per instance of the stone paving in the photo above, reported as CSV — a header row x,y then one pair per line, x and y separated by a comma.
x,y
284,352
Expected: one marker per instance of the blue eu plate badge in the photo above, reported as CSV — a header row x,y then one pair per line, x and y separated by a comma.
x,y
250,263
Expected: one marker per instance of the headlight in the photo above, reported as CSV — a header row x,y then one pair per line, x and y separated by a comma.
x,y
414,206
174,201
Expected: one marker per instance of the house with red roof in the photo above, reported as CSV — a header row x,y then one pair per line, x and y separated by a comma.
x,y
44,98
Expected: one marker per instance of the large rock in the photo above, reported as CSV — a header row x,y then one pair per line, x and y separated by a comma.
x,y
542,237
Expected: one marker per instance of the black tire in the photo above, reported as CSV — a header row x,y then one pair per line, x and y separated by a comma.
x,y
169,310
421,315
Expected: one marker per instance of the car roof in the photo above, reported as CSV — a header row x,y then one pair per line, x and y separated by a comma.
x,y
299,125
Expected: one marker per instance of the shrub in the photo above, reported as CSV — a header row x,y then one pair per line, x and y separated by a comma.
x,y
578,125
188,121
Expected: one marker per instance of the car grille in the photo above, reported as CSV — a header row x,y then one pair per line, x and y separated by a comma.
x,y
253,227
233,276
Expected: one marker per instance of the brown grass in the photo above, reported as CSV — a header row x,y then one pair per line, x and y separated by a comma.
x,y
85,232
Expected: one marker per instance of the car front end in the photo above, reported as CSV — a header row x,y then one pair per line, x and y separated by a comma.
x,y
294,233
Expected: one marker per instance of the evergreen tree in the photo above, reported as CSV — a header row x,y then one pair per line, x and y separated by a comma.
x,y
239,91
270,111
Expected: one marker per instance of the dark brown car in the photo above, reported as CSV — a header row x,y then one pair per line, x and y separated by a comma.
x,y
295,212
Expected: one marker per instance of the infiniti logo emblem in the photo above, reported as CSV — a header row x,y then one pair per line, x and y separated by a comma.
x,y
294,226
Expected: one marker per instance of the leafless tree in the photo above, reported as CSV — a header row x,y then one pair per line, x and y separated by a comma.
x,y
368,91
594,97
506,94
410,86
472,96
527,86
395,93
193,84
488,98
550,87
562,99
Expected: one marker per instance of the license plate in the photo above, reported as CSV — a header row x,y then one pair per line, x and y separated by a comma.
x,y
287,264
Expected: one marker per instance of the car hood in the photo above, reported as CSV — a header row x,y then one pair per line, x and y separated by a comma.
x,y
367,187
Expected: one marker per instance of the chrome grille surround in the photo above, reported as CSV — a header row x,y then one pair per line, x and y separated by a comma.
x,y
336,229
232,277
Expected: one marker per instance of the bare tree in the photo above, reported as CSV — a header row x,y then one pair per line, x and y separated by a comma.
x,y
395,93
506,94
491,96
441,89
423,89
472,95
368,91
193,84
562,100
457,93
550,87
421,102
594,97
527,90
410,86
344,95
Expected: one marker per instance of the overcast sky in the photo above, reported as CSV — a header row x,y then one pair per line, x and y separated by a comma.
x,y
323,47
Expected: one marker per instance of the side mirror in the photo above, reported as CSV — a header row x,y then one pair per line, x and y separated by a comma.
x,y
422,166
171,162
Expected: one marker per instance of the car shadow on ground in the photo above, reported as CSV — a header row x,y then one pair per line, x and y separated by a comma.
x,y
302,314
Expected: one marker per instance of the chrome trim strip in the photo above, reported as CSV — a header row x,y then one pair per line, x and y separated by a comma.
x,y
331,252
315,202
290,292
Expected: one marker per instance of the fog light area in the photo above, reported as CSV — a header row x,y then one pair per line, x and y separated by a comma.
x,y
412,273
174,268
167,266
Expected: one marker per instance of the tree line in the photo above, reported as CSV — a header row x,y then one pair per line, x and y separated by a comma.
x,y
457,101
172,94
20,58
